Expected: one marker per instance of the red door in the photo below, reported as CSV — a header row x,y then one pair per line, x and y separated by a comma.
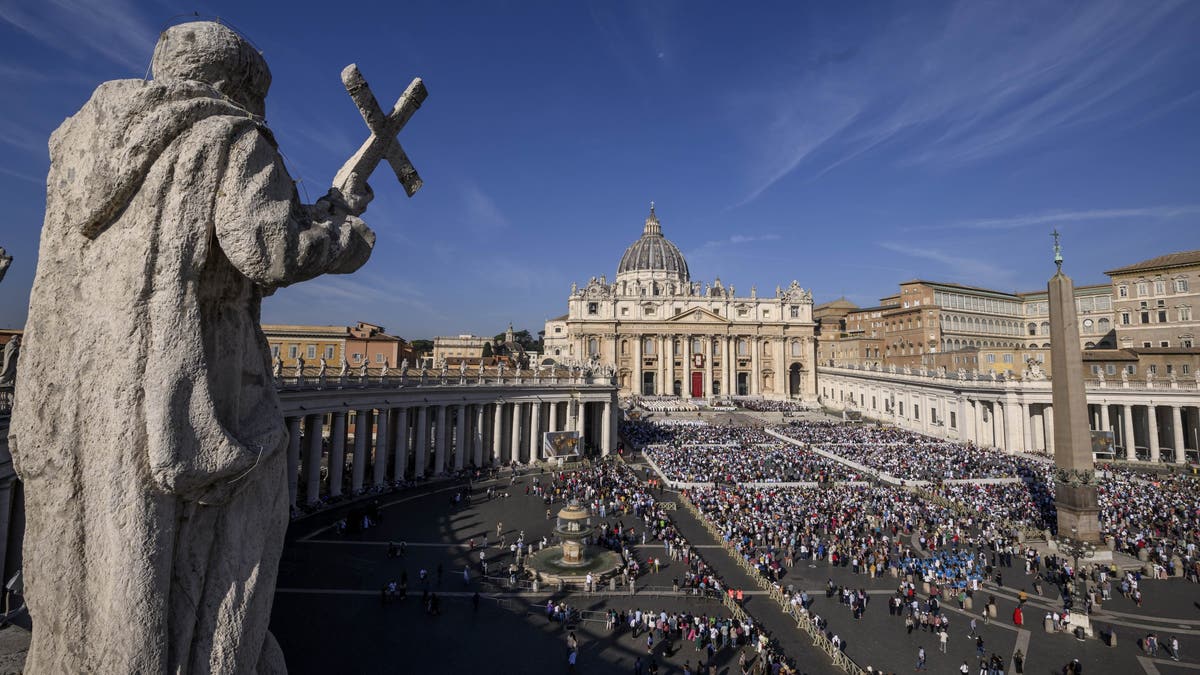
x,y
697,385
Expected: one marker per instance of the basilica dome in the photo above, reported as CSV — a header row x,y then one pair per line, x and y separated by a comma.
x,y
653,256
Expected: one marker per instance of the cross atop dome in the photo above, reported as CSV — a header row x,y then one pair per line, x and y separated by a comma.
x,y
652,224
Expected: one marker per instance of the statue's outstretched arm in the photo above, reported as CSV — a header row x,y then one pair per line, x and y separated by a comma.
x,y
269,235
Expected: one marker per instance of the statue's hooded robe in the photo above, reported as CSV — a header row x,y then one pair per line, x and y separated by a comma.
x,y
147,428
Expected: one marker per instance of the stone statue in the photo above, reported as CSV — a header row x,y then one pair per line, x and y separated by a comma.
x,y
299,366
362,368
444,368
8,367
1149,378
345,368
404,366
462,368
277,371
5,261
383,371
155,469
500,370
324,368
481,367
1033,371
574,288
1124,376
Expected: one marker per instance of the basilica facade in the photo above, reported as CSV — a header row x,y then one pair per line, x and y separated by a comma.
x,y
666,335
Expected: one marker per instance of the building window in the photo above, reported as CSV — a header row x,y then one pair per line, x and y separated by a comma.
x,y
624,347
1185,369
1181,286
557,330
1103,325
742,348
1145,317
1160,288
1111,369
648,346
593,347
328,352
1143,289
991,358
1124,318
274,351
293,350
794,312
311,351
1164,343
953,420
1186,344
916,412
593,308
1152,369
1095,369
766,313
1131,369
650,311
1185,313
796,348
356,356
743,312
1162,316
1008,358
1122,291
1170,369
1146,344
624,311
379,358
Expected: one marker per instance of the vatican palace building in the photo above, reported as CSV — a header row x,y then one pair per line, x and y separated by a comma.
x,y
664,334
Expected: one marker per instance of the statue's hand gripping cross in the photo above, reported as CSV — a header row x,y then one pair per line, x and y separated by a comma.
x,y
351,179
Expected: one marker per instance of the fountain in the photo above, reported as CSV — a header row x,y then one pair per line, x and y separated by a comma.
x,y
572,559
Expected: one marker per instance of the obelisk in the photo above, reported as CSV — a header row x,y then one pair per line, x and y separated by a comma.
x,y
1075,481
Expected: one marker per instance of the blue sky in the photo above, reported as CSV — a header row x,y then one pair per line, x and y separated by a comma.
x,y
848,146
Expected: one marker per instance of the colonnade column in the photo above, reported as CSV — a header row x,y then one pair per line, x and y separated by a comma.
x,y
421,442
477,436
606,429
1104,421
293,458
1177,428
312,460
685,387
1048,415
1002,426
497,428
439,447
1128,437
572,415
362,436
337,453
1026,427
382,426
515,445
400,450
1152,431
535,427
460,437
977,405
553,426
635,387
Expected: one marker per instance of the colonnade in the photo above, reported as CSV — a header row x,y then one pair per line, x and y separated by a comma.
x,y
1155,425
391,442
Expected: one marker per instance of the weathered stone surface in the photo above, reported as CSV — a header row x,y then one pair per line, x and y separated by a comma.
x,y
151,443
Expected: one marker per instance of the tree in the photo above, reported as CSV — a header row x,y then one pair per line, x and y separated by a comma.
x,y
422,346
487,350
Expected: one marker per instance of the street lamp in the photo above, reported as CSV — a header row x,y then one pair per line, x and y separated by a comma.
x,y
1076,549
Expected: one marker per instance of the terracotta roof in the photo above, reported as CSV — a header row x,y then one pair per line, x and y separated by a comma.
x,y
1169,260
564,317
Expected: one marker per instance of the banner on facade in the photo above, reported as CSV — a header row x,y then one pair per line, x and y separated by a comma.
x,y
564,444
1103,446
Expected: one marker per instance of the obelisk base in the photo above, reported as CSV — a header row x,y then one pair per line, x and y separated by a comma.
x,y
1078,511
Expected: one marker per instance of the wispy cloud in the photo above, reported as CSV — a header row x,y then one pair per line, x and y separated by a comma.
x,y
23,138
973,270
988,82
480,211
1063,217
82,28
718,245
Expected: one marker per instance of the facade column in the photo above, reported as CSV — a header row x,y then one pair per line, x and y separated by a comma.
x,y
421,442
515,445
439,449
477,436
1104,421
781,371
755,382
497,427
572,415
337,453
1152,431
362,436
977,406
293,458
685,386
1048,414
635,387
461,448
1128,437
535,428
1177,430
707,343
400,450
312,462
553,425
606,429
382,426
726,366
1001,417
668,366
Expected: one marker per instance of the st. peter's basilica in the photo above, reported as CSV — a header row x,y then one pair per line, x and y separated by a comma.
x,y
720,344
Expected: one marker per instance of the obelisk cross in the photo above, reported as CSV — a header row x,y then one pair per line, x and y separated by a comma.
x,y
382,143
1058,259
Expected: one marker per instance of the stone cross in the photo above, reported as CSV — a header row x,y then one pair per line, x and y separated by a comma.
x,y
382,143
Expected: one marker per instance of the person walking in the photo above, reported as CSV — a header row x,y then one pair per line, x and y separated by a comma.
x,y
943,637
920,659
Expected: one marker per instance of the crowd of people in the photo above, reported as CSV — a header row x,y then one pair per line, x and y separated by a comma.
x,y
770,405
773,462
904,454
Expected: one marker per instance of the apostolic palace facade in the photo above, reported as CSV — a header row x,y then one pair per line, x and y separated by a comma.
x,y
666,335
